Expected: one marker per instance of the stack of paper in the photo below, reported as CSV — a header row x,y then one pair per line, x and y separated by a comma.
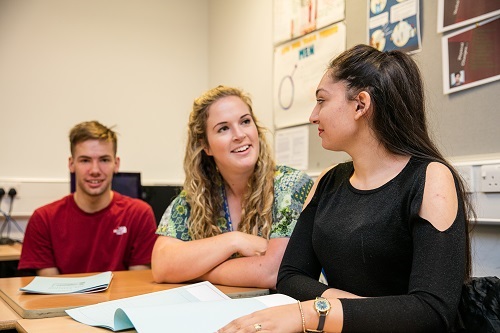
x,y
69,285
195,308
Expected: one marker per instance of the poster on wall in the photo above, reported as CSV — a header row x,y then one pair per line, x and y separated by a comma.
x,y
394,25
298,68
296,18
470,56
454,14
291,146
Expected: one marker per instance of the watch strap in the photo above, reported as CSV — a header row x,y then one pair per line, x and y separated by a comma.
x,y
321,323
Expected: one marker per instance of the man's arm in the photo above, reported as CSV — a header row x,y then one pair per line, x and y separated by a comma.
x,y
139,267
144,239
37,250
50,271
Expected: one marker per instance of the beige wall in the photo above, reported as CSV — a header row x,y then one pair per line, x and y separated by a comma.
x,y
136,64
241,50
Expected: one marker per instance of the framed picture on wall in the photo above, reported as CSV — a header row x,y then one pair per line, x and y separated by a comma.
x,y
394,25
453,14
470,56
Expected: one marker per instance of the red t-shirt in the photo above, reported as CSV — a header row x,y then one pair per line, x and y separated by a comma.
x,y
62,235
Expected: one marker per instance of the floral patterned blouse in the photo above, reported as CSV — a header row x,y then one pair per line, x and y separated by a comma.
x,y
291,188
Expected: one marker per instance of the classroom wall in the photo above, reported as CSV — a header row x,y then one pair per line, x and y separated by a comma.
x,y
241,51
139,64
135,64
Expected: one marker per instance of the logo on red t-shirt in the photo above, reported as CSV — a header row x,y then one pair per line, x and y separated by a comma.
x,y
120,230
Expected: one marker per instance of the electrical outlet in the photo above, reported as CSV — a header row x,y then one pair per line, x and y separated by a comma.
x,y
467,174
9,185
490,178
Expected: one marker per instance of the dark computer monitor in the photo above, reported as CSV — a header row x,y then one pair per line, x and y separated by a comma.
x,y
126,183
159,197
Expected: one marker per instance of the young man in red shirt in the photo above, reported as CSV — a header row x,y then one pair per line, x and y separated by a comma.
x,y
93,229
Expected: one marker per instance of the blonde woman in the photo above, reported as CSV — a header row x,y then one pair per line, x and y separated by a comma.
x,y
231,223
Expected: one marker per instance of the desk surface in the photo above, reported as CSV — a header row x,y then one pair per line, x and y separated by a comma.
x,y
10,252
8,316
124,284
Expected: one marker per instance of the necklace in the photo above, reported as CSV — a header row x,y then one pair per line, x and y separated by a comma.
x,y
226,209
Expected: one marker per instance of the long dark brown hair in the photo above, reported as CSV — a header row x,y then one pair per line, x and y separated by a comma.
x,y
399,120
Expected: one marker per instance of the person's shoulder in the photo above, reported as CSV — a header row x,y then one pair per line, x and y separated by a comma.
x,y
424,172
419,167
440,200
285,170
125,201
334,175
438,172
347,165
337,170
61,203
181,198
289,179
285,173
47,212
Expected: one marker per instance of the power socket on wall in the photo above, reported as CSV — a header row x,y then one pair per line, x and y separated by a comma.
x,y
490,178
7,186
467,174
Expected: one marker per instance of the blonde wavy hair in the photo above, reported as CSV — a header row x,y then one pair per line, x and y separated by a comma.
x,y
203,181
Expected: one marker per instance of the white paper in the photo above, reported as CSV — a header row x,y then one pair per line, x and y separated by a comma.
x,y
69,285
202,317
195,308
103,314
292,147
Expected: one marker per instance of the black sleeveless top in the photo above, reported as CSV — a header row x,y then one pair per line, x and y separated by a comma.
x,y
373,243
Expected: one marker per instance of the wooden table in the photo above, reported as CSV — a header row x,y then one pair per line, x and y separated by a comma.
x,y
10,252
31,307
8,317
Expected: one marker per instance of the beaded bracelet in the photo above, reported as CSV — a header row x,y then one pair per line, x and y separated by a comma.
x,y
303,319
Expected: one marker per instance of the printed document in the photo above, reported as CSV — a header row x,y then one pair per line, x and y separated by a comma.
x,y
196,308
69,285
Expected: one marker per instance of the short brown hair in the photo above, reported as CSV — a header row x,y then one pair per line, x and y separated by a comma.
x,y
91,130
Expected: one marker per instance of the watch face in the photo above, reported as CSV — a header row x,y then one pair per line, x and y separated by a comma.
x,y
322,305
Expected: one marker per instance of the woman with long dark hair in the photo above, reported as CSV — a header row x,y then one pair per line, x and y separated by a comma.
x,y
389,228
